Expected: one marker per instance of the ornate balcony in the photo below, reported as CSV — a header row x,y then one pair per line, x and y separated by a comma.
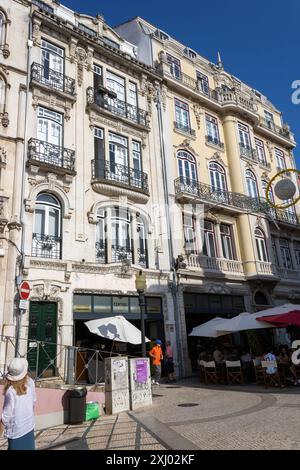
x,y
285,216
50,157
214,265
117,107
113,179
282,133
101,252
287,273
46,246
178,126
52,79
210,140
187,190
265,268
250,154
119,254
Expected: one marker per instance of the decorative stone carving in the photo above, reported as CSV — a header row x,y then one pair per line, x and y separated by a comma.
x,y
5,51
259,222
270,148
198,113
36,30
3,156
217,289
3,214
4,119
81,57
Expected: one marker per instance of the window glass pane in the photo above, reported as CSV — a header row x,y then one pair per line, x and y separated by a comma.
x,y
82,303
53,222
120,305
102,304
153,305
39,226
134,305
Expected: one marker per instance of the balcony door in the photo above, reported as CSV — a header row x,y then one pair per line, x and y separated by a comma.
x,y
187,171
116,85
118,158
50,136
52,65
244,136
46,241
121,235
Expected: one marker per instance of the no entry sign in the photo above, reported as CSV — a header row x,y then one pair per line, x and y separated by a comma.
x,y
25,290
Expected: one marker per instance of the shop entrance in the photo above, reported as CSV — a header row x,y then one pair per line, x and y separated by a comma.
x,y
42,336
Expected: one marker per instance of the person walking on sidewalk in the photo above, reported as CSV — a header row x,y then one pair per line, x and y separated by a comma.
x,y
156,355
169,364
18,409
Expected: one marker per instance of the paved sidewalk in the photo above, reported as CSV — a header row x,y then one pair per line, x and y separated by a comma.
x,y
190,416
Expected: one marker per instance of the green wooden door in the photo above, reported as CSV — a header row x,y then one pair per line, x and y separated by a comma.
x,y
42,336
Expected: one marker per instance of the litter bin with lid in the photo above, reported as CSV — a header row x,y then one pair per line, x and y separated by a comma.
x,y
77,404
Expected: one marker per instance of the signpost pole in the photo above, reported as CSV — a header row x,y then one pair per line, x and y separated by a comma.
x,y
24,293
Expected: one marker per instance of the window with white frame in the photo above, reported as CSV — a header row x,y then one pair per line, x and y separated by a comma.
x,y
264,185
212,129
274,249
136,156
46,241
297,252
217,177
261,246
52,65
269,119
122,245
244,136
116,84
280,160
260,149
50,136
175,69
251,184
209,242
187,167
202,82
285,253
227,241
189,233
182,116
118,150
132,96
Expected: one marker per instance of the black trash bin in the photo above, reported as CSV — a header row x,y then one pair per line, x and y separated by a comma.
x,y
77,405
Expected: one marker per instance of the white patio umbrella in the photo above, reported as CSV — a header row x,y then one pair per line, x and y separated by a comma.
x,y
117,329
243,321
210,329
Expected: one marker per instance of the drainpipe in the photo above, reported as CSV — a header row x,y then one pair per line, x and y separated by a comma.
x,y
19,278
169,232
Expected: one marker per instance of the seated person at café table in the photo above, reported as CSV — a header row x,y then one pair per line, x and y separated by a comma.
x,y
218,355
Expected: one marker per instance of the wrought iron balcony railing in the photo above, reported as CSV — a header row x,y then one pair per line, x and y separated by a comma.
x,y
116,106
121,253
46,246
181,127
284,215
142,254
50,154
215,141
248,152
281,131
53,79
124,175
208,193
101,252
194,84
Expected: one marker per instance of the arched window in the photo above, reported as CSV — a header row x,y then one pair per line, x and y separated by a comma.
x,y
260,298
251,183
261,246
217,177
46,241
264,185
121,237
187,167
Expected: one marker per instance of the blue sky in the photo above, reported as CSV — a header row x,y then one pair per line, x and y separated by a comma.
x,y
259,40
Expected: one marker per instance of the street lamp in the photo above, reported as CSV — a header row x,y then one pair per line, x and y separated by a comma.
x,y
140,285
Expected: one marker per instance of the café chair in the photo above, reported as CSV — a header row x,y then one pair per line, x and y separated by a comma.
x,y
234,373
274,379
259,373
210,373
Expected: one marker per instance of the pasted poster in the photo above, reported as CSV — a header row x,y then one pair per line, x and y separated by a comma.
x,y
141,372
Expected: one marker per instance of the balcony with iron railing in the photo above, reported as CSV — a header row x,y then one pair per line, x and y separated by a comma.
x,y
221,97
113,179
117,107
46,246
120,254
50,157
250,154
280,132
215,141
179,126
187,189
51,79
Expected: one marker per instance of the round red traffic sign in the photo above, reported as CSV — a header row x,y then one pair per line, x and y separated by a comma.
x,y
24,290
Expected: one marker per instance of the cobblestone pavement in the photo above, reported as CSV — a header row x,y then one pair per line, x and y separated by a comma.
x,y
241,417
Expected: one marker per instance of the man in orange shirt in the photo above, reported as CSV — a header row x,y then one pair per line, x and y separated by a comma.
x,y
156,355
